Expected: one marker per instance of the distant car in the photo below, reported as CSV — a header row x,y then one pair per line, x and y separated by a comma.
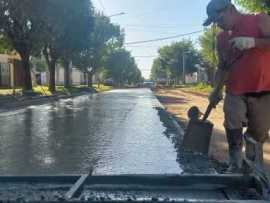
x,y
108,82
149,84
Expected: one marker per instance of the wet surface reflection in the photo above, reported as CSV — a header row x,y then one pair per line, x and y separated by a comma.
x,y
117,132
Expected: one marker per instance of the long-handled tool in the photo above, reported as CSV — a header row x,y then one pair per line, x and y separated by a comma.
x,y
199,131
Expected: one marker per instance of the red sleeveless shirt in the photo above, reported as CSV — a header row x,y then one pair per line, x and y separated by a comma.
x,y
251,72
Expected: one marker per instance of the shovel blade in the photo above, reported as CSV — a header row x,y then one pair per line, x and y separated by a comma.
x,y
197,136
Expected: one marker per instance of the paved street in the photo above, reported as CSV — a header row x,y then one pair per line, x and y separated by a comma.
x,y
117,132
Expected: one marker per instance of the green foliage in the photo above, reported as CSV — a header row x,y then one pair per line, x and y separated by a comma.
x,y
208,50
103,34
255,5
157,70
200,88
208,47
68,28
121,67
71,24
5,45
39,63
21,24
169,64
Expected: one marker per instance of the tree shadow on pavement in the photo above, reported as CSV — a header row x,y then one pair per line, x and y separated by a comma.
x,y
171,100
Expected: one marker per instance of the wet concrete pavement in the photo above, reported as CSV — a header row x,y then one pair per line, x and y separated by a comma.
x,y
117,132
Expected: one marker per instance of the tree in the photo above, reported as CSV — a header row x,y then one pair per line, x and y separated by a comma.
x,y
159,70
133,74
39,63
172,59
121,67
21,25
103,35
76,26
255,5
68,25
5,45
208,51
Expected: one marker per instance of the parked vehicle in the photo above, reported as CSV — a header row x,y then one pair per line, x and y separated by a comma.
x,y
149,84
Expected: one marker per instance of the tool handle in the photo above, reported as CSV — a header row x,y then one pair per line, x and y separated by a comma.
x,y
208,111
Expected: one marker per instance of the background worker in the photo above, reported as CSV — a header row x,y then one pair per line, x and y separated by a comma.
x,y
244,67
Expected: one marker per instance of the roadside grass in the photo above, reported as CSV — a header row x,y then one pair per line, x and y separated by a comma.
x,y
102,88
6,92
200,88
44,90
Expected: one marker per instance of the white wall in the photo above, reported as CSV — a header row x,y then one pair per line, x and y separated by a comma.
x,y
192,78
59,75
76,77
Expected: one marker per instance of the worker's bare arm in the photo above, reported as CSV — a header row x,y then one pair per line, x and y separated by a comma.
x,y
220,78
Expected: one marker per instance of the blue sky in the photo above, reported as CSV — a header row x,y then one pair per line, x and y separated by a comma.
x,y
151,19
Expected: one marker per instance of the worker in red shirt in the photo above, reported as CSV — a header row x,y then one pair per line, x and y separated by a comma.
x,y
244,68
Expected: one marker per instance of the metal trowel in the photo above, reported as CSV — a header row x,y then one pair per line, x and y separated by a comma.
x,y
199,131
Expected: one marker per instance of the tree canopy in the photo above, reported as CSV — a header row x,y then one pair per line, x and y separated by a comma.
x,y
121,67
103,34
208,50
64,31
255,5
172,60
22,26
68,28
5,45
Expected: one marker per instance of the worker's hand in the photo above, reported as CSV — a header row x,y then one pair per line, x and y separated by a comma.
x,y
215,97
243,43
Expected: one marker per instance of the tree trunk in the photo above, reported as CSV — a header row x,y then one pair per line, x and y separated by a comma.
x,y
85,78
210,75
27,72
0,76
52,76
51,59
66,74
90,79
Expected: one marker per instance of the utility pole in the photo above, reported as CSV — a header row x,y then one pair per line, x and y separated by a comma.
x,y
184,68
117,14
184,65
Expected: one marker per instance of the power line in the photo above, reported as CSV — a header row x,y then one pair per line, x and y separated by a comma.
x,y
117,14
164,26
165,38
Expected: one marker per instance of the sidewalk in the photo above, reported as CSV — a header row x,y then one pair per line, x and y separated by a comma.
x,y
178,101
10,102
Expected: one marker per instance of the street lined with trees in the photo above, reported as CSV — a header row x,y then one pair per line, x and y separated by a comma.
x,y
62,32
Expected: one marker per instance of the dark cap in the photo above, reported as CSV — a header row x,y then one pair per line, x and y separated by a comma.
x,y
213,7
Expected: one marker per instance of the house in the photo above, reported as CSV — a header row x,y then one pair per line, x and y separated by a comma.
x,y
11,71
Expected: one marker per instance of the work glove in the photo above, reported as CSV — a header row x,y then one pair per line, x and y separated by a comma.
x,y
243,43
215,97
